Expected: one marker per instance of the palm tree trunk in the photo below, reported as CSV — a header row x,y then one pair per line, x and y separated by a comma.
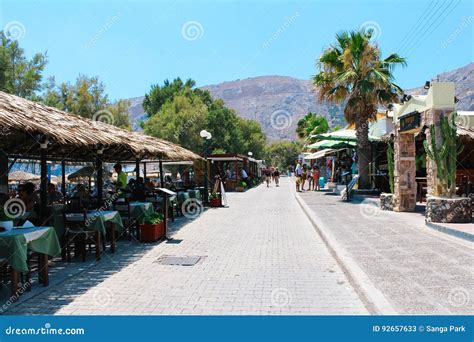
x,y
364,151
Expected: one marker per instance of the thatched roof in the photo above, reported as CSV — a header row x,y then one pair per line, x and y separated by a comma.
x,y
22,176
465,132
23,123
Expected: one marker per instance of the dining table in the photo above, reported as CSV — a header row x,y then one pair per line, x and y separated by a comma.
x,y
140,210
107,222
14,247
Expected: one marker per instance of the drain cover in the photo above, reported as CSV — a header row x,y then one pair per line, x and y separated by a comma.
x,y
178,260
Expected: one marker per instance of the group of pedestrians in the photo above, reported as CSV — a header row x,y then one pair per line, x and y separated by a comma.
x,y
305,173
271,174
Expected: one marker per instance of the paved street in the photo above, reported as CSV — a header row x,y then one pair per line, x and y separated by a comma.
x,y
259,256
417,269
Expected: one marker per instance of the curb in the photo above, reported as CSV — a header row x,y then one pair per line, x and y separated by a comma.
x,y
374,300
453,232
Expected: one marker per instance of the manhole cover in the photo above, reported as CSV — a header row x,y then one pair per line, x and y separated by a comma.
x,y
178,260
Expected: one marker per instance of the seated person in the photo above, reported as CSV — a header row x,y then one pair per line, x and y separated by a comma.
x,y
149,186
53,195
27,195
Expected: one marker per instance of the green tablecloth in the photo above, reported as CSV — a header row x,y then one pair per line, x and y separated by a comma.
x,y
14,245
139,210
96,220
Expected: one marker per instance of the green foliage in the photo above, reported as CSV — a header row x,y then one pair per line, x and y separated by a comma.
x,y
444,154
214,195
180,121
311,124
282,154
183,111
19,75
242,184
352,72
155,218
391,167
87,98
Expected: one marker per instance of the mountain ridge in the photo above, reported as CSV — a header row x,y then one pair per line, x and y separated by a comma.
x,y
277,102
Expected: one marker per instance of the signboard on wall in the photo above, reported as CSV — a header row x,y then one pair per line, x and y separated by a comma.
x,y
410,122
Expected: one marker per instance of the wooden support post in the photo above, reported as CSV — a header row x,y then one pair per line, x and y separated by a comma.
x,y
137,168
4,172
162,175
43,185
100,181
63,179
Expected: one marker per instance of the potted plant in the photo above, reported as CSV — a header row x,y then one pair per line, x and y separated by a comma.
x,y
240,187
215,200
387,199
442,205
152,228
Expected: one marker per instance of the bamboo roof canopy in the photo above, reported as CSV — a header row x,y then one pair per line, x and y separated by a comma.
x,y
23,123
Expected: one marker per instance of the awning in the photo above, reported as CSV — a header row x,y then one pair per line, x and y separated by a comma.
x,y
332,144
320,154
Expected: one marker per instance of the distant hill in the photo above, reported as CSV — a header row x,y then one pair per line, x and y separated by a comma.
x,y
278,102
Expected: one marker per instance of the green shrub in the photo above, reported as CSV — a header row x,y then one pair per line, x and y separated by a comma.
x,y
155,218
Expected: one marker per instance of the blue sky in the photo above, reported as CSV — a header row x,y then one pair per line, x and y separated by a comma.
x,y
133,44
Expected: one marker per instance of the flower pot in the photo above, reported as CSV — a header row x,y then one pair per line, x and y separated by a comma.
x,y
152,232
387,201
215,202
448,210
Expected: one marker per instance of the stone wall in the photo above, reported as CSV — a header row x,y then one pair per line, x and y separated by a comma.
x,y
405,171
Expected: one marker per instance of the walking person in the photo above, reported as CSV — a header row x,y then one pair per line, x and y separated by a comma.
x,y
310,177
298,173
304,174
316,178
276,177
268,176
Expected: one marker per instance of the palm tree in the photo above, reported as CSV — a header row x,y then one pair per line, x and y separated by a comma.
x,y
352,71
311,124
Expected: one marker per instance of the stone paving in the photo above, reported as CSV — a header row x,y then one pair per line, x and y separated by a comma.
x,y
418,270
259,256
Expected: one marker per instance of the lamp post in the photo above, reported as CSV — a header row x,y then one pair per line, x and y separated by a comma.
x,y
250,166
206,136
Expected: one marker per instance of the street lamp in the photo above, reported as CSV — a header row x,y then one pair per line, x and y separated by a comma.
x,y
250,154
207,136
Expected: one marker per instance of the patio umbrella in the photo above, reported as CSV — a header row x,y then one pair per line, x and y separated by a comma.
x,y
86,171
22,176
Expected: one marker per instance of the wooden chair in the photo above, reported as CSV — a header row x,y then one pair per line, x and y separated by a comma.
x,y
76,234
130,223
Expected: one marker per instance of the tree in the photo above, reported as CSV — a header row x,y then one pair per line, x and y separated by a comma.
x,y
254,140
178,112
18,75
352,70
158,95
180,121
311,124
87,98
282,153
